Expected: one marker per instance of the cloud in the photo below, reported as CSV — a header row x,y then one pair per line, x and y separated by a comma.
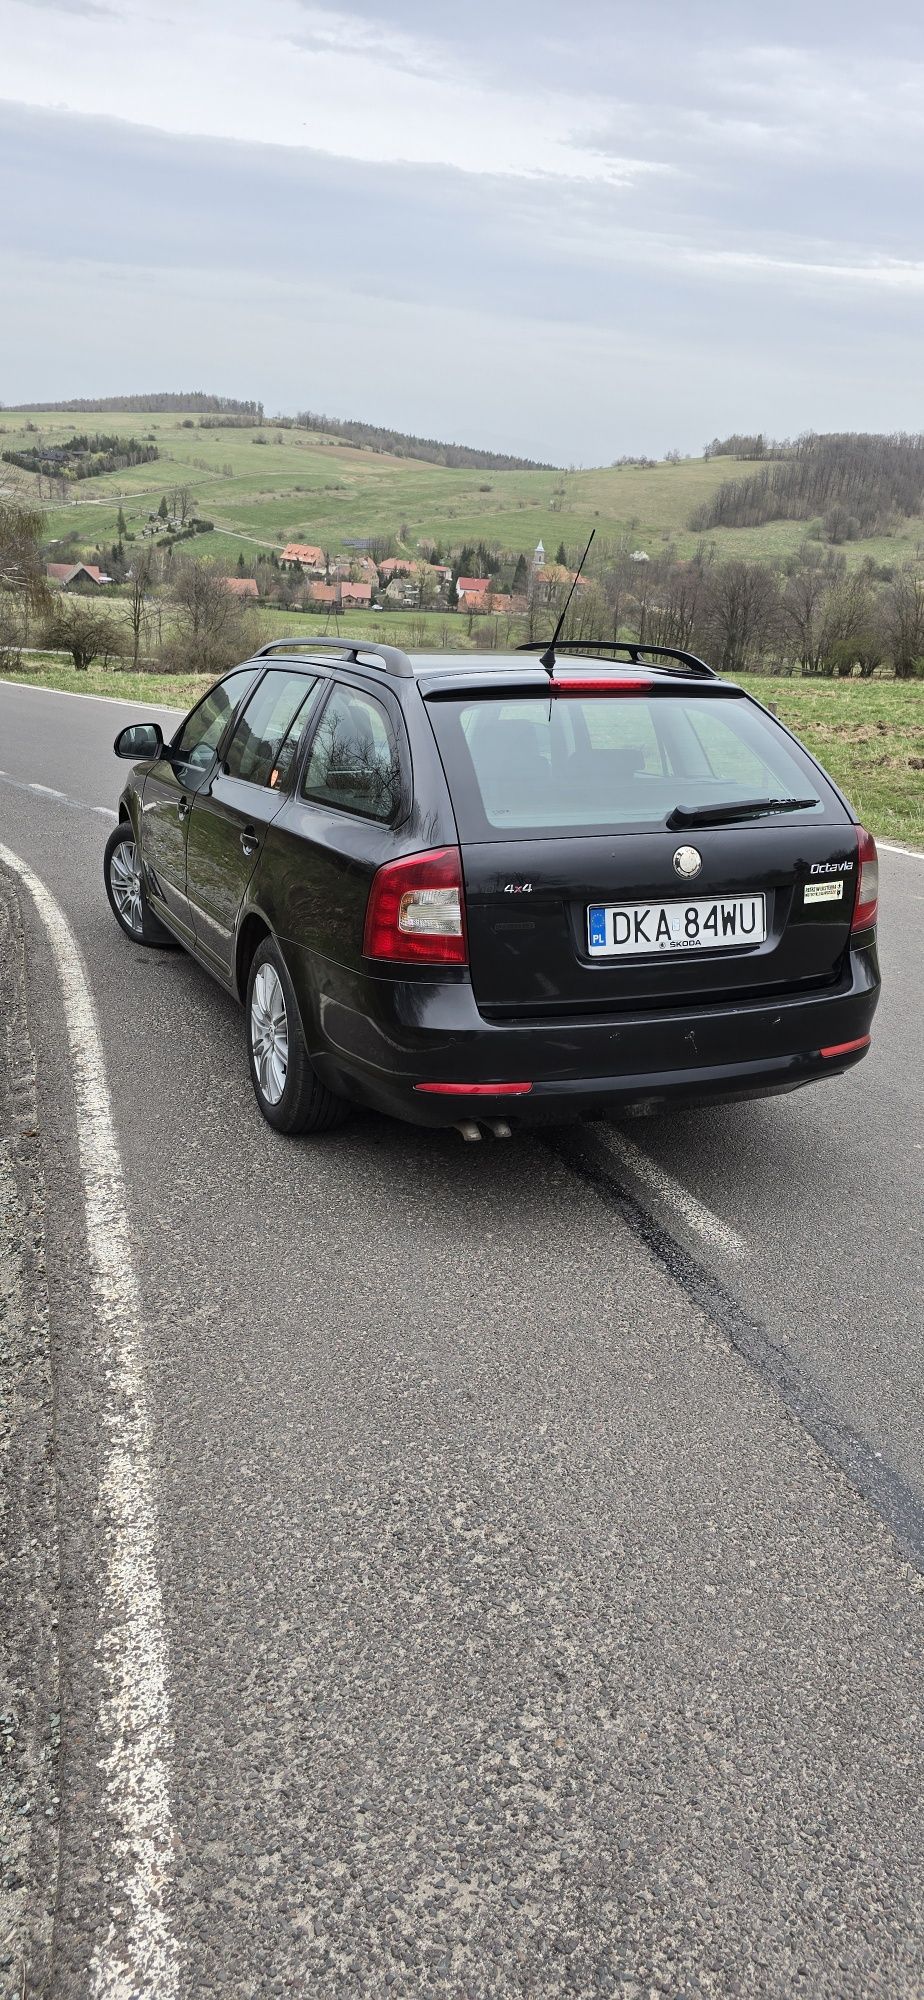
x,y
306,75
89,8
630,228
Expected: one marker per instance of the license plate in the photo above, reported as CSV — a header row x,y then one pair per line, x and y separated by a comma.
x,y
623,930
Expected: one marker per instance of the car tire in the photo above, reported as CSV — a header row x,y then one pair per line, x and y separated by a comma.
x,y
125,889
289,1093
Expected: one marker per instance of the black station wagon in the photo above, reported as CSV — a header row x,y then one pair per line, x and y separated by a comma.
x,y
485,891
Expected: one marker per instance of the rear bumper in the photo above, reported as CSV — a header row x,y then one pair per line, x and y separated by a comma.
x,y
376,1039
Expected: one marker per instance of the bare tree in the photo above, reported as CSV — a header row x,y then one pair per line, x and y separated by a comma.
x,y
675,610
853,632
803,609
212,626
21,566
77,628
140,582
13,631
179,502
904,622
742,613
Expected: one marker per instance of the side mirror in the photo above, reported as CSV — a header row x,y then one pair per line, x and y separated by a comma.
x,y
140,739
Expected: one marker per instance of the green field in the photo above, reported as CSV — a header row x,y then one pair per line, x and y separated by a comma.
x,y
265,487
868,734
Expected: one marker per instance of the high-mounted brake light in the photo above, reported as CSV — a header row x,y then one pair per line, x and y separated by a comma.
x,y
597,684
416,910
866,907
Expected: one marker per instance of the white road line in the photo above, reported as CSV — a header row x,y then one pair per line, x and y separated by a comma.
x,y
80,805
911,853
694,1213
76,694
134,1720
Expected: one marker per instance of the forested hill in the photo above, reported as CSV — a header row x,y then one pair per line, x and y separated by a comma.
x,y
368,437
190,400
856,482
402,444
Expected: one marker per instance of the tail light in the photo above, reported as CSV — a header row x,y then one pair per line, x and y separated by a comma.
x,y
866,907
416,910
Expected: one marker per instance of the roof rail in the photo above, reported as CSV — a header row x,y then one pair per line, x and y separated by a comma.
x,y
390,658
690,662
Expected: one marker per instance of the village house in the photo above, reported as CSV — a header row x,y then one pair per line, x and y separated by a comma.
x,y
241,586
325,595
553,578
490,603
355,595
355,569
305,556
76,576
469,587
404,590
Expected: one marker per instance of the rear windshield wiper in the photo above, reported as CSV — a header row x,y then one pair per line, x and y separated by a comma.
x,y
718,815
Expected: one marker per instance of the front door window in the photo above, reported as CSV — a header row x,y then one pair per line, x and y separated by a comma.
x,y
199,736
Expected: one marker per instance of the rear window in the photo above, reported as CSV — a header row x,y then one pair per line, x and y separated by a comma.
x,y
530,765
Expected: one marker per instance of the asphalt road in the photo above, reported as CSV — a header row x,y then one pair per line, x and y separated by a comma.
x,y
539,1527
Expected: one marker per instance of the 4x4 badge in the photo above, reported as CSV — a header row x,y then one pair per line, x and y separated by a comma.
x,y
688,862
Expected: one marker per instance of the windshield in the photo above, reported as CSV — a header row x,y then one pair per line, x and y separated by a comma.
x,y
522,765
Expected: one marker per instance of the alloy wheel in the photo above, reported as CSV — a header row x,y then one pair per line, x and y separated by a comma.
x,y
125,880
269,1033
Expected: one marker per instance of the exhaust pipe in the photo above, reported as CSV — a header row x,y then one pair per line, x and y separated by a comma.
x,y
469,1129
499,1127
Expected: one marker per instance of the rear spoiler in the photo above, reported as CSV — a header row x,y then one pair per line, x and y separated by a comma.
x,y
484,686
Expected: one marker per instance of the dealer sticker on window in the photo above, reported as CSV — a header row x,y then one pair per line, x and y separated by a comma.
x,y
823,892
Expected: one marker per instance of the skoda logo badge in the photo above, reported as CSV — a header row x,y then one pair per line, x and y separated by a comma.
x,y
688,862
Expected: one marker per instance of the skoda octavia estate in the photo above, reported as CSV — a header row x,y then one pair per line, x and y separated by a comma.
x,y
496,890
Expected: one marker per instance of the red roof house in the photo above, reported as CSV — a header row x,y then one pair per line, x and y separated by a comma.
x,y
303,555
355,594
67,574
242,586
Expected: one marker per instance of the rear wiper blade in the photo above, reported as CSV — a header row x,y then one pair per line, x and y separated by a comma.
x,y
719,815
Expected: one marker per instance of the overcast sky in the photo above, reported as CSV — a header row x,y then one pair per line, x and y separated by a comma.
x,y
570,232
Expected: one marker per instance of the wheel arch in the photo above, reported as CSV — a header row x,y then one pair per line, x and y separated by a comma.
x,y
129,805
253,929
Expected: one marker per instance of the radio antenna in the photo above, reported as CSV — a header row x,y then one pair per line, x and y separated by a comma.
x,y
547,659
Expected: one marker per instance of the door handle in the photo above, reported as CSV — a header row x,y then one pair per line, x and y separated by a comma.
x,y
249,839
183,807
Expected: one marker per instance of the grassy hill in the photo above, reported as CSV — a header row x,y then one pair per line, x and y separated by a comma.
x,y
265,487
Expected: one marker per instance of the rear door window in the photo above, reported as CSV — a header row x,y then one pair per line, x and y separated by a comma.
x,y
522,766
353,761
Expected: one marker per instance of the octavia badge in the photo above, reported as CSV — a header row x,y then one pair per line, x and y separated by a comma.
x,y
688,862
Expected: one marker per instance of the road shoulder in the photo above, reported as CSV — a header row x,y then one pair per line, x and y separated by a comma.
x,y
29,1697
